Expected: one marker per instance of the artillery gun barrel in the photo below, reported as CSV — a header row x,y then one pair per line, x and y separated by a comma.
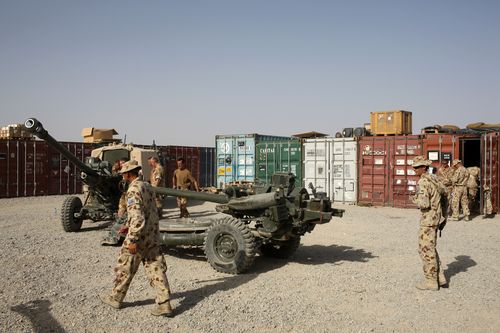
x,y
218,198
36,127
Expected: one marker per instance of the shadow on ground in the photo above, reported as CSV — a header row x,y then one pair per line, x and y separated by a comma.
x,y
38,313
461,264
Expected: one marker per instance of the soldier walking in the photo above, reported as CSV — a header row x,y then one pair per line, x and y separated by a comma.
x,y
183,179
157,179
142,244
444,174
428,200
459,194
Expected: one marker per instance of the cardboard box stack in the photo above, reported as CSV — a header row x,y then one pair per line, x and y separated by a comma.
x,y
96,135
15,131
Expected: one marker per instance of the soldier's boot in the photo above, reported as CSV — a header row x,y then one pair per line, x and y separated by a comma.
x,y
455,218
428,284
109,300
163,309
467,218
442,280
110,240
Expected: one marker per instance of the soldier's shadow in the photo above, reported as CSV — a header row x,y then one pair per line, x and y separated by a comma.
x,y
461,264
38,313
307,255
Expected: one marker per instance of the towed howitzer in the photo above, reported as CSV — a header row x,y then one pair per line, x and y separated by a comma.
x,y
270,218
104,187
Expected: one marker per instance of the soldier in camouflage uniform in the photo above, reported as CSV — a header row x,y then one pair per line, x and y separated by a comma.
x,y
488,207
183,180
142,244
428,200
157,178
444,174
118,230
459,194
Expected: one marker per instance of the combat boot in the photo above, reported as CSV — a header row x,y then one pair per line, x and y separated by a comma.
x,y
442,280
109,300
163,309
467,218
428,284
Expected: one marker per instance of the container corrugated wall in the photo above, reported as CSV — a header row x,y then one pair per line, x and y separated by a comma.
x,y
490,169
330,164
207,166
236,156
170,155
280,156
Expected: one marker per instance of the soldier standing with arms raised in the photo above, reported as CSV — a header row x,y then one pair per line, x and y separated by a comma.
x,y
428,200
142,244
459,195
157,179
182,180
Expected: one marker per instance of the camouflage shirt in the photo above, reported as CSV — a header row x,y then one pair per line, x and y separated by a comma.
x,y
445,175
460,176
428,200
157,177
142,216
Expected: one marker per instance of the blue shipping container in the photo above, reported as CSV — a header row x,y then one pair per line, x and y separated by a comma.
x,y
236,156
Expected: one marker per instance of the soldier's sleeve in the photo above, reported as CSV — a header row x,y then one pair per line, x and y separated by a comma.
x,y
136,217
423,196
154,177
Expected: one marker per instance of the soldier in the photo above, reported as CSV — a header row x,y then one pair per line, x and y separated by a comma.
x,y
142,244
183,180
459,194
118,230
428,200
157,178
488,207
444,174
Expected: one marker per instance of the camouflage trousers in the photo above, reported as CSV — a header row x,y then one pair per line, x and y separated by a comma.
x,y
427,238
154,265
488,207
459,198
159,204
472,191
182,204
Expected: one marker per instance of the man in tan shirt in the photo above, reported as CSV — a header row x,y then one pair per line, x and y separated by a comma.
x,y
183,179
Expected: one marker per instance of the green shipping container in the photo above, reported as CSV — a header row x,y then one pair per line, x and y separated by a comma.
x,y
284,156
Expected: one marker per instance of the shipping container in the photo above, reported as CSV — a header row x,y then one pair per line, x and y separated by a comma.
x,y
207,167
391,122
280,156
330,165
490,170
236,156
386,176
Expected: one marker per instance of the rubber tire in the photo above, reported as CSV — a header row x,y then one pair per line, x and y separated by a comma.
x,y
241,240
283,251
70,206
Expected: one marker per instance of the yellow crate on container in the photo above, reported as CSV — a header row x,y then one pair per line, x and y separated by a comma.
x,y
391,122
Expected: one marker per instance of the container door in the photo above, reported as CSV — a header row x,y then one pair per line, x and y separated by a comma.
x,y
404,180
374,170
490,171
245,159
290,160
266,160
207,166
225,160
344,170
317,161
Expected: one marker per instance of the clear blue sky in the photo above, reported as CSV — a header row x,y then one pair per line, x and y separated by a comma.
x,y
181,72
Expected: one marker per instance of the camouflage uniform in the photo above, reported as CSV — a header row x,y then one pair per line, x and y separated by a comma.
x,y
488,207
144,231
459,194
472,182
444,175
157,179
428,200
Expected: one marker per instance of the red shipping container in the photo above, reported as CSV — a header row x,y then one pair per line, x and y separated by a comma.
x,y
386,176
490,170
170,154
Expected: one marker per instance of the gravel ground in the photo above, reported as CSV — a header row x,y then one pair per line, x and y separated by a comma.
x,y
355,274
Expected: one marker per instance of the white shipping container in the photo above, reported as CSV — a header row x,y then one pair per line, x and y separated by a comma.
x,y
330,164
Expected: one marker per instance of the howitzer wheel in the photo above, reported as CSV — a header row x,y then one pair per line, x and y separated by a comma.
x,y
71,205
282,250
229,246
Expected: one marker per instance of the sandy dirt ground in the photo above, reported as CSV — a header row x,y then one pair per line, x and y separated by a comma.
x,y
355,274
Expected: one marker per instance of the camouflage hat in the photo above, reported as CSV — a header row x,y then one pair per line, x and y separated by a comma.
x,y
420,161
455,162
129,166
